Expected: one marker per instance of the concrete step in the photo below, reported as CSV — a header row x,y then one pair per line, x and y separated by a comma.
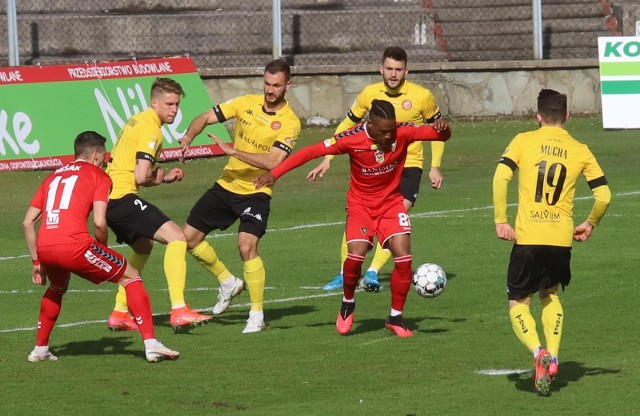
x,y
511,13
499,42
523,54
453,29
234,32
231,63
456,4
350,32
170,6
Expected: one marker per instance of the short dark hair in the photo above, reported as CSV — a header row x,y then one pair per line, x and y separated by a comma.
x,y
279,65
396,53
88,141
382,109
552,106
166,85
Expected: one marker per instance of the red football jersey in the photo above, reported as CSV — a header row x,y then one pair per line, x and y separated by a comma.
x,y
375,173
66,198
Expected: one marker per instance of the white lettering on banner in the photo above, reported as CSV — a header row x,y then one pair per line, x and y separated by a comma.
x,y
99,71
109,71
132,95
108,114
152,68
168,154
10,76
31,164
132,101
21,124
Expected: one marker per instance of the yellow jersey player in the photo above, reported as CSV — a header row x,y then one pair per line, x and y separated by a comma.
x,y
136,221
550,162
266,131
413,104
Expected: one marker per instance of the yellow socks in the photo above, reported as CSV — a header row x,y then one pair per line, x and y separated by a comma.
x,y
380,257
207,257
254,277
175,269
343,250
552,320
524,326
138,262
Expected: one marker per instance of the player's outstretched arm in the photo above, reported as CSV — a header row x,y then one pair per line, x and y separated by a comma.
x,y
440,125
319,171
264,180
195,128
260,160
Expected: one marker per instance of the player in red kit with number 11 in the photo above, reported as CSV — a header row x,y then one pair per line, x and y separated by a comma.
x,y
377,150
62,245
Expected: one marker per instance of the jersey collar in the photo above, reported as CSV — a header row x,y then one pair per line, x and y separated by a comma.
x,y
273,113
396,92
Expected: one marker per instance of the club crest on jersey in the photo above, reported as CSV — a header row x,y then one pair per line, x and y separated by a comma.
x,y
363,230
406,105
275,125
379,155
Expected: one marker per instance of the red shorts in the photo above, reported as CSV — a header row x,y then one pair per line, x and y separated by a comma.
x,y
364,223
89,259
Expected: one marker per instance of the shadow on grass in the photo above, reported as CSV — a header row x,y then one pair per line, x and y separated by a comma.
x,y
362,326
103,346
271,316
568,372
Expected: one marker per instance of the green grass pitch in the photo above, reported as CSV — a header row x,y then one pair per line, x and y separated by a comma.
x,y
463,359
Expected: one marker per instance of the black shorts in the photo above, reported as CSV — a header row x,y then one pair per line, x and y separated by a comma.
x,y
532,268
410,183
131,217
218,209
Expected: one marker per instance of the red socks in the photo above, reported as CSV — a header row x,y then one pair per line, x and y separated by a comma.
x,y
140,307
400,281
49,310
351,270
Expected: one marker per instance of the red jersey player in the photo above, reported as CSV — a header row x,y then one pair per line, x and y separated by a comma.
x,y
377,150
63,244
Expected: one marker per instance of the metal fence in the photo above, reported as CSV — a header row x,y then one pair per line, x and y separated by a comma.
x,y
239,34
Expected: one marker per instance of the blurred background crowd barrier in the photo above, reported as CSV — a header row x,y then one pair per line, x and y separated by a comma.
x,y
238,36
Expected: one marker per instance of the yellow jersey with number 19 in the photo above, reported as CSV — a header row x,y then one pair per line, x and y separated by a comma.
x,y
549,162
140,138
256,131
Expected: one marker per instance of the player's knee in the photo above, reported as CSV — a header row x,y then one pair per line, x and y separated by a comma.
x,y
247,250
131,272
58,290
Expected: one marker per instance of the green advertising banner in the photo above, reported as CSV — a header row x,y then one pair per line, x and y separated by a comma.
x,y
619,59
43,108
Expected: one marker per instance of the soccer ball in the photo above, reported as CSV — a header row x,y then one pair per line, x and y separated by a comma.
x,y
429,280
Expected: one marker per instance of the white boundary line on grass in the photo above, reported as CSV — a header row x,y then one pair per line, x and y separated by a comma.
x,y
331,224
503,372
240,305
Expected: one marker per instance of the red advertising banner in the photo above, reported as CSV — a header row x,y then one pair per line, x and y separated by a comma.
x,y
43,108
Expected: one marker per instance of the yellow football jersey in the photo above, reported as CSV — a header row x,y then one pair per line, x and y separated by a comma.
x,y
256,131
140,138
549,162
413,104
